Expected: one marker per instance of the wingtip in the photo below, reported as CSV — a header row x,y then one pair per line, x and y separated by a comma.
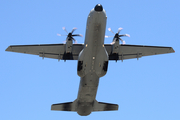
x,y
8,49
172,50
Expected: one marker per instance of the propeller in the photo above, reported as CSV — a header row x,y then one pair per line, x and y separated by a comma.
x,y
70,34
116,35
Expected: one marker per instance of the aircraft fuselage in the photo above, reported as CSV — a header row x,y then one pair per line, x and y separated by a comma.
x,y
92,61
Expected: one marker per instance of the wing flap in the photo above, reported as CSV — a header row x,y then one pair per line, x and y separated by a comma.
x,y
145,50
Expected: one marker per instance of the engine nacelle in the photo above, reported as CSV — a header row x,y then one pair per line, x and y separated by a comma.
x,y
115,46
69,45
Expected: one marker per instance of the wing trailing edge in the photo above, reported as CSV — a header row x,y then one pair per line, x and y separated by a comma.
x,y
136,51
101,106
55,51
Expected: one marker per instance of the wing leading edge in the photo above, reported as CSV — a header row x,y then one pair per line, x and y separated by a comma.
x,y
56,51
136,51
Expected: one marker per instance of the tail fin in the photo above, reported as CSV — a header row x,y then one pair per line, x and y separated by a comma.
x,y
100,106
68,106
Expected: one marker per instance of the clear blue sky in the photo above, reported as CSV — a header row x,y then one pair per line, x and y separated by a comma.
x,y
147,89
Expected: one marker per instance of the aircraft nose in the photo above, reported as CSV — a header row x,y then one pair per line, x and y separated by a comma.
x,y
98,8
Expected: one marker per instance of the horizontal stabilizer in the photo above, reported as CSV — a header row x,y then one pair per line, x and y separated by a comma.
x,y
68,106
101,106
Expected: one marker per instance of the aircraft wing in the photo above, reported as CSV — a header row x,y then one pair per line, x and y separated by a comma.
x,y
136,51
56,51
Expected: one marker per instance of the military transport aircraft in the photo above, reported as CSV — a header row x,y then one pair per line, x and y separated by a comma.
x,y
93,57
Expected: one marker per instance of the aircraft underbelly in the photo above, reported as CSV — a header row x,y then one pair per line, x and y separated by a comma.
x,y
91,61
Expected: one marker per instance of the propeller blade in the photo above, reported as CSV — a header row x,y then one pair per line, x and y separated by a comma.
x,y
77,35
73,29
75,41
111,30
117,36
124,35
64,42
108,36
127,35
123,42
119,30
65,29
60,34
70,35
112,43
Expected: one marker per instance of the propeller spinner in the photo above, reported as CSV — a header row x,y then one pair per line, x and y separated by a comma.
x,y
117,36
70,35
